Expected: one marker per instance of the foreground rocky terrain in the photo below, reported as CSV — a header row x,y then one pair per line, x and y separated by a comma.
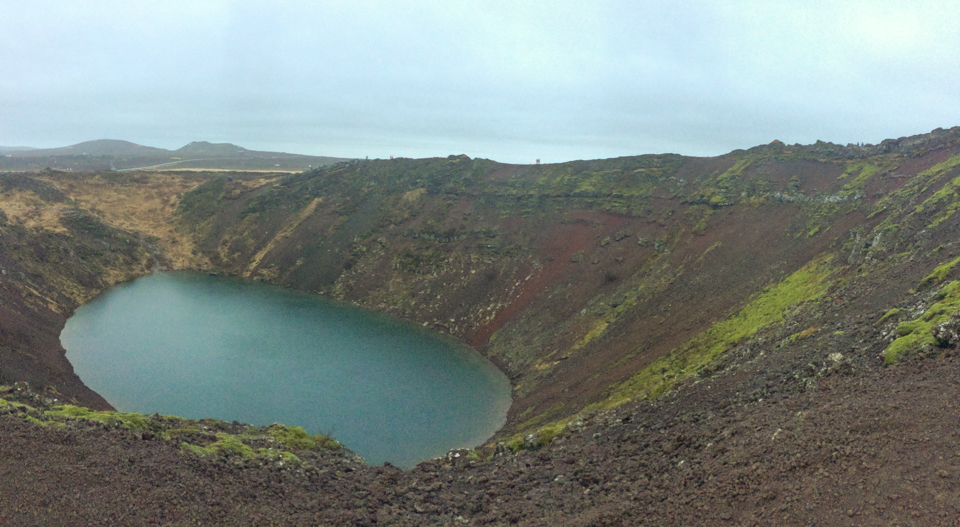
x,y
764,338
875,447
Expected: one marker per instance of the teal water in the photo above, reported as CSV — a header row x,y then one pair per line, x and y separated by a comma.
x,y
196,346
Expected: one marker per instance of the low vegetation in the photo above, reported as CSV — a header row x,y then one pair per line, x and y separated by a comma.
x,y
206,437
935,328
767,308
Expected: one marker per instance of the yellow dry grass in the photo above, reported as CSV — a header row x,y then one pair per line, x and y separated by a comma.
x,y
414,194
26,208
144,205
284,233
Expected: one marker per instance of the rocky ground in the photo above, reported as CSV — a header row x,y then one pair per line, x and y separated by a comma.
x,y
778,436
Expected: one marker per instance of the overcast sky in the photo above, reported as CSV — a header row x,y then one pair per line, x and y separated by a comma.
x,y
506,80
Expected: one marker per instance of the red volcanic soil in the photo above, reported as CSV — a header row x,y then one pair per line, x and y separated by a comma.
x,y
556,246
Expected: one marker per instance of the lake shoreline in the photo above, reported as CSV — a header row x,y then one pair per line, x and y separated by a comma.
x,y
194,345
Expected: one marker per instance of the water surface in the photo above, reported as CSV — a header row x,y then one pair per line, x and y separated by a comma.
x,y
196,346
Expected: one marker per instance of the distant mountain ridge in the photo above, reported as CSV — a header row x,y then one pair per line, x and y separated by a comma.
x,y
99,147
8,149
204,148
114,154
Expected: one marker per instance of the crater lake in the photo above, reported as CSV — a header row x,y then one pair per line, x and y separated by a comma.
x,y
197,346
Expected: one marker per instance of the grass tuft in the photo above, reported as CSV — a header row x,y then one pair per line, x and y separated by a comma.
x,y
131,421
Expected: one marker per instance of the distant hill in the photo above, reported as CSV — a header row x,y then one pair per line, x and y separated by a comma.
x,y
205,149
100,147
9,149
113,154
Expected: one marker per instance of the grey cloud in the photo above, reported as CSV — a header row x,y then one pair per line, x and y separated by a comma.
x,y
489,79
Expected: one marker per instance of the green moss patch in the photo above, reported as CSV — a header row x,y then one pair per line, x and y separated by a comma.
x,y
205,437
807,333
543,436
920,184
864,171
131,421
766,309
938,275
231,446
296,438
293,438
226,445
892,313
917,334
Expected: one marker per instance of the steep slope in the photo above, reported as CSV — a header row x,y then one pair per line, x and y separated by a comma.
x,y
765,337
575,277
64,239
